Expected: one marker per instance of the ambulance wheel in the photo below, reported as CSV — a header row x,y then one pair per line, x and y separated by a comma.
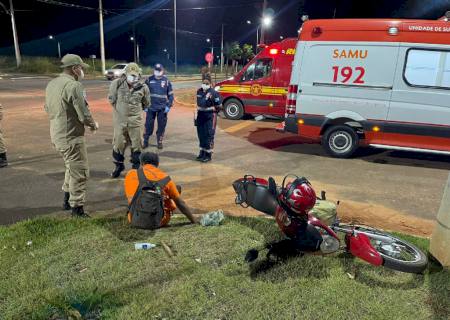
x,y
233,109
340,141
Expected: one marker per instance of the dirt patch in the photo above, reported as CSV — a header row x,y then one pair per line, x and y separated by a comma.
x,y
185,97
212,193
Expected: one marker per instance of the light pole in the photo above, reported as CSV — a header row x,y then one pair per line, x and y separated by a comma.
x,y
168,54
264,16
212,50
102,36
175,35
221,52
135,49
14,30
59,45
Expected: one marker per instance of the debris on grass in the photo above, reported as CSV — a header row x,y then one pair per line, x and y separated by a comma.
x,y
167,249
144,246
213,218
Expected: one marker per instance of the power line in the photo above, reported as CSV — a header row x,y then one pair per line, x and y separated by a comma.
x,y
187,9
71,5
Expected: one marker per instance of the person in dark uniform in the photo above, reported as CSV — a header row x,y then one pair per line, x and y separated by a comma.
x,y
209,104
161,96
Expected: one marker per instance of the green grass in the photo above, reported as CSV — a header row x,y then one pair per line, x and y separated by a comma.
x,y
50,66
88,269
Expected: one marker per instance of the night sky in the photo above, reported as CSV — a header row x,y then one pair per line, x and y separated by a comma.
x,y
152,21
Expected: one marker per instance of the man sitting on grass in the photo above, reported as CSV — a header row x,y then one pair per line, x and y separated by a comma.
x,y
170,192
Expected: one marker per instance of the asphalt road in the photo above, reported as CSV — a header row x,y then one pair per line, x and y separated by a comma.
x,y
393,183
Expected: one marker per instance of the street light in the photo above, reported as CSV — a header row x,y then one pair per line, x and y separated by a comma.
x,y
135,49
168,54
281,37
267,21
59,45
10,12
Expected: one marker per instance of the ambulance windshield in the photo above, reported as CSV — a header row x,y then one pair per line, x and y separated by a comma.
x,y
261,68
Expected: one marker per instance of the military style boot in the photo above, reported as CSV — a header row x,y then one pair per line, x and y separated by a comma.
x,y
160,145
78,212
3,160
118,161
66,205
207,157
135,159
200,155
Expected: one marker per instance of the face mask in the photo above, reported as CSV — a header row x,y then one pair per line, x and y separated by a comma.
x,y
205,87
158,73
132,79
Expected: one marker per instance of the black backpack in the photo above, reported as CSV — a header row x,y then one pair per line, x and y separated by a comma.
x,y
147,206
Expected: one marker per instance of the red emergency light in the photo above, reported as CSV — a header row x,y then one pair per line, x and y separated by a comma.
x,y
273,51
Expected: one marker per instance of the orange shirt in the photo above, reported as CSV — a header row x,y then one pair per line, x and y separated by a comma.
x,y
152,173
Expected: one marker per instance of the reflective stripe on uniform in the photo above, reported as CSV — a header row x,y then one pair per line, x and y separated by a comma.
x,y
158,96
206,109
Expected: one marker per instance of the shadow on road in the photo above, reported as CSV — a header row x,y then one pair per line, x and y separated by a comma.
x,y
269,139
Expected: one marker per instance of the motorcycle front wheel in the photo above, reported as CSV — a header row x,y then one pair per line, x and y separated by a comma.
x,y
397,254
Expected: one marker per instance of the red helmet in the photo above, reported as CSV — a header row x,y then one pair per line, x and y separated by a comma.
x,y
298,195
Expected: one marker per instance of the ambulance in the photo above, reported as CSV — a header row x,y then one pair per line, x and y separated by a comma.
x,y
260,88
381,83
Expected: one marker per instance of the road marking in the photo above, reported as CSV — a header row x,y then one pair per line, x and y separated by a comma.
x,y
27,78
238,126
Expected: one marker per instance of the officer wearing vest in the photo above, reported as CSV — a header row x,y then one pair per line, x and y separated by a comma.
x,y
128,96
68,111
209,103
161,96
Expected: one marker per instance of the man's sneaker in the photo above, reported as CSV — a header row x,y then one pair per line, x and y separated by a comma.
x,y
160,145
207,157
118,170
3,160
78,212
66,205
200,155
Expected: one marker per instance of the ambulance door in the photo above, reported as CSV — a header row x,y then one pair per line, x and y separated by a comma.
x,y
281,77
348,82
419,114
256,83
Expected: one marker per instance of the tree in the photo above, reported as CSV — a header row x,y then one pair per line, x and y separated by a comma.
x,y
247,53
235,54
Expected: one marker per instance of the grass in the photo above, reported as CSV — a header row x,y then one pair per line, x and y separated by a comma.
x,y
50,66
88,269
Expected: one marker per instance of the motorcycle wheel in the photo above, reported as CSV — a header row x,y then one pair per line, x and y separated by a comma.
x,y
398,255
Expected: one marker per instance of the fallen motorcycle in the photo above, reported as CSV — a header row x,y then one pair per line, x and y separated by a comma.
x,y
291,205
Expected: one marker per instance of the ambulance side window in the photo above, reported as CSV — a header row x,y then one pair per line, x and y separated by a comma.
x,y
261,68
428,68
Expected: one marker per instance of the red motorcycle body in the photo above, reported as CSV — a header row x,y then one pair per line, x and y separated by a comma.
x,y
359,245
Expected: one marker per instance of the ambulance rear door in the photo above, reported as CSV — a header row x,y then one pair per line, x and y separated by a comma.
x,y
349,82
257,80
282,69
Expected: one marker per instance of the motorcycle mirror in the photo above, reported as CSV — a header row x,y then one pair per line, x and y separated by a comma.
x,y
272,186
251,255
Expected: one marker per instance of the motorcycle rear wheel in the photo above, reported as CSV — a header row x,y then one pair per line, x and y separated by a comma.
x,y
399,255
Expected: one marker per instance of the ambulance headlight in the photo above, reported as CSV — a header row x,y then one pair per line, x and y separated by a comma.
x,y
217,88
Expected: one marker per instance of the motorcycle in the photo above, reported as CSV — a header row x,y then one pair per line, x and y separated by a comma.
x,y
307,234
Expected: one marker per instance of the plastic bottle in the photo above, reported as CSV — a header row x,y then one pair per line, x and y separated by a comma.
x,y
144,246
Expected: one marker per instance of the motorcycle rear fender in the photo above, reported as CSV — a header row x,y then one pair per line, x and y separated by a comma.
x,y
319,224
359,245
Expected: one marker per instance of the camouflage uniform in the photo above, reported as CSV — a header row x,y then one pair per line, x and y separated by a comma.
x,y
128,102
65,103
3,161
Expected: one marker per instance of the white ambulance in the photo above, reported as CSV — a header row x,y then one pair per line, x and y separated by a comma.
x,y
382,83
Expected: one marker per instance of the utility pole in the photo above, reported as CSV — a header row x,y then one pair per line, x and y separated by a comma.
x,y
14,30
137,52
102,36
59,50
221,53
175,35
262,25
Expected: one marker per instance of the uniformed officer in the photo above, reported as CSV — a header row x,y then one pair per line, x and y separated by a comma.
x,y
3,160
68,111
209,103
128,96
161,95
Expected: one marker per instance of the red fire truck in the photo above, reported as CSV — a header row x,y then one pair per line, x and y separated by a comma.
x,y
260,88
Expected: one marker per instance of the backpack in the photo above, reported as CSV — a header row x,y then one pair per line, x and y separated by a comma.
x,y
147,206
